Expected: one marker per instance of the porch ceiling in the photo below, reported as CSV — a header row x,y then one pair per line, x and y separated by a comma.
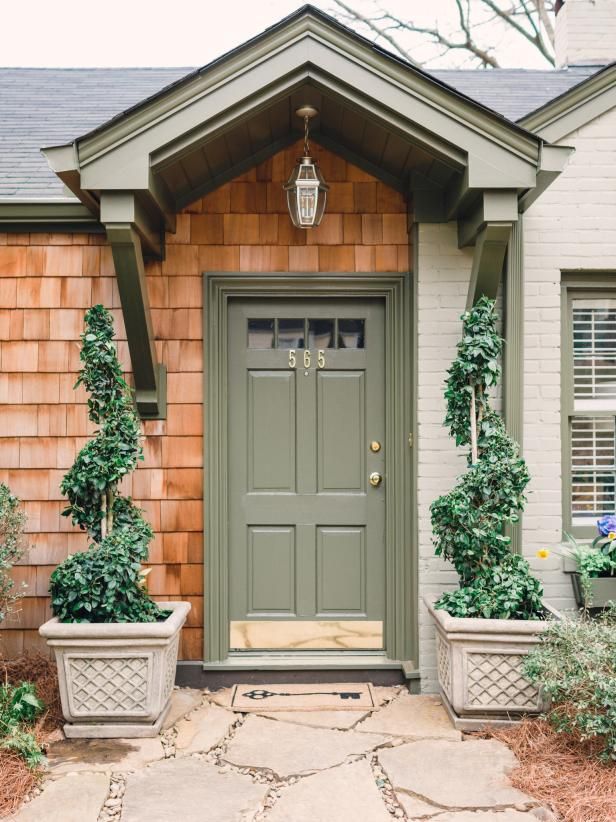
x,y
366,141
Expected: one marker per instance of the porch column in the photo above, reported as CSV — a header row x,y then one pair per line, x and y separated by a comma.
x,y
513,365
498,257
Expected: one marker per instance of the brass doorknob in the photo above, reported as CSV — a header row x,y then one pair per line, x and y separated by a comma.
x,y
375,479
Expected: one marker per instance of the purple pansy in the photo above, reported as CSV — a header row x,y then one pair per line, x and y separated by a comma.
x,y
607,525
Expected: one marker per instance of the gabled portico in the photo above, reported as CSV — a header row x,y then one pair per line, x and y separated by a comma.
x,y
452,158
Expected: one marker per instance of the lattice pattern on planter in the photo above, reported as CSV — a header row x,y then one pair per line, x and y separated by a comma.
x,y
113,685
497,679
171,658
444,665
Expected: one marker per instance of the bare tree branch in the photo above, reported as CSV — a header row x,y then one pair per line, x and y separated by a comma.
x,y
375,29
529,19
546,22
508,18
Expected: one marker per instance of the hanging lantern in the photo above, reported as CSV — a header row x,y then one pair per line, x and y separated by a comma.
x,y
306,189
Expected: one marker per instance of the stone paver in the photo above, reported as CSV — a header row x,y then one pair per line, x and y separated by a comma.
x,y
476,773
437,777
183,700
293,749
416,808
415,717
74,798
205,728
385,693
341,720
344,794
190,790
104,755
222,697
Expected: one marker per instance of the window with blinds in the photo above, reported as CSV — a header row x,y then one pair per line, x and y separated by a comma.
x,y
592,423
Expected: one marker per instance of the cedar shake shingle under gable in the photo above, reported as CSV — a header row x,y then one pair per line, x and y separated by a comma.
x,y
42,107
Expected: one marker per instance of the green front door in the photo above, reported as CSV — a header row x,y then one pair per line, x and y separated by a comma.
x,y
306,456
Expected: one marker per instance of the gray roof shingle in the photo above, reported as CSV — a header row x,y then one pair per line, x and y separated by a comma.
x,y
514,93
45,107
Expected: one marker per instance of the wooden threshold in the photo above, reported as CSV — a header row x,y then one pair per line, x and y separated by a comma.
x,y
293,635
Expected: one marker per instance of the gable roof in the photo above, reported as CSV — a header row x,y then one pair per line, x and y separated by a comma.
x,y
43,107
569,111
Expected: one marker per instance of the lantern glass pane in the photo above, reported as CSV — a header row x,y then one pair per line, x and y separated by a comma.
x,y
306,172
320,207
308,197
292,204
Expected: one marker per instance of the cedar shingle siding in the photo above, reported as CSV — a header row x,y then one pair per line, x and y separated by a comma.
x,y
46,283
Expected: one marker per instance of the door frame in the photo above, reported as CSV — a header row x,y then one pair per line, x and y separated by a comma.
x,y
401,593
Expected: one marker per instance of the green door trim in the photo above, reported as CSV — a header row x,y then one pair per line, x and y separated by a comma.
x,y
401,611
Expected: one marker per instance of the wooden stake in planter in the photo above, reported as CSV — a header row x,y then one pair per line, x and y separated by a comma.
x,y
476,417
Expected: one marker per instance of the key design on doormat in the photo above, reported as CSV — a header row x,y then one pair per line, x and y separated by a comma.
x,y
261,694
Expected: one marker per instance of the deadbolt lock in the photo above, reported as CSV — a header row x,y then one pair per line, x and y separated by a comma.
x,y
375,479
375,446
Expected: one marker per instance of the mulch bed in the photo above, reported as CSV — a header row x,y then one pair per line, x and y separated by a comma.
x,y
561,771
16,779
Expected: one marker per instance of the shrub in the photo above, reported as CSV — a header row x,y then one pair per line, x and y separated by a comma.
x,y
105,583
19,709
575,664
468,523
12,546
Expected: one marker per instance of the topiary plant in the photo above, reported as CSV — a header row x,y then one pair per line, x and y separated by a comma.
x,y
469,522
105,583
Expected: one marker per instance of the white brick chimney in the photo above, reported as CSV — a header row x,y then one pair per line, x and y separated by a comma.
x,y
585,32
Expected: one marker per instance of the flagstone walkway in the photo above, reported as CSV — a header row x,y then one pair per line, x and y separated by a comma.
x,y
402,762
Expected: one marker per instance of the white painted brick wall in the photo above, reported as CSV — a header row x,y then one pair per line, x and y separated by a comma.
x,y
586,32
572,226
443,274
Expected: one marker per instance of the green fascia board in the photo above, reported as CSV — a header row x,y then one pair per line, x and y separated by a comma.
x,y
312,45
306,21
576,107
40,214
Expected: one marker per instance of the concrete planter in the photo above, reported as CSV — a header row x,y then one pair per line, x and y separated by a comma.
x,y
116,678
480,668
602,591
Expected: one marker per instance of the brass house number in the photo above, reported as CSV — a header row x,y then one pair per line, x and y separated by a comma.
x,y
307,358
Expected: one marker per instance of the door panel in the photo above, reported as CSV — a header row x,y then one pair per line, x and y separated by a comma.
x,y
306,529
271,423
341,571
341,429
271,548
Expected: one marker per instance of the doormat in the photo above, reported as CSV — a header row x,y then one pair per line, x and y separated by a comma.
x,y
343,696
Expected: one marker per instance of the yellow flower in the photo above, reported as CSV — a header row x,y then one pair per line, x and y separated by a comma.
x,y
612,535
543,553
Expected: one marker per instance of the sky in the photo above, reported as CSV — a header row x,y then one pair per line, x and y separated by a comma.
x,y
193,32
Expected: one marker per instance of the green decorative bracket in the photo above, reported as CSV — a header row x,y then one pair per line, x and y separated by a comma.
x,y
488,261
149,375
